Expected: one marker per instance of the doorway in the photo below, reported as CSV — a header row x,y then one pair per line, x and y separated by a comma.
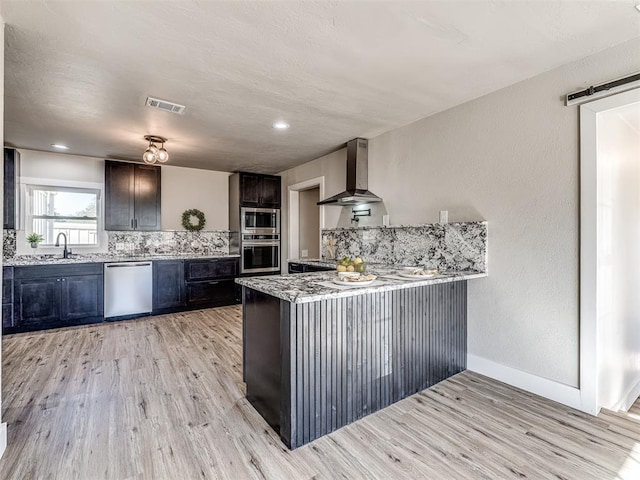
x,y
306,219
610,252
309,223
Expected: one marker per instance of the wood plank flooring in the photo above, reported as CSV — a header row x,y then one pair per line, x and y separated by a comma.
x,y
162,398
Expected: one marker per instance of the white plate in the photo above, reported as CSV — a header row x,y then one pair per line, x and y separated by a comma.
x,y
415,276
354,284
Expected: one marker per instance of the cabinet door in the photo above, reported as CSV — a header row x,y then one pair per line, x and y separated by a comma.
x,y
168,284
81,298
250,189
37,302
271,191
119,196
11,162
147,198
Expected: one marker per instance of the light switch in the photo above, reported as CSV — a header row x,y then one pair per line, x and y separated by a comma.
x,y
305,253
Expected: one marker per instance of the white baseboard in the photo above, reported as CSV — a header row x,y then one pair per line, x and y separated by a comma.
x,y
3,438
558,392
626,402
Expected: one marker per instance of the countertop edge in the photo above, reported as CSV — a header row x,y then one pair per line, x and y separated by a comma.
x,y
106,259
296,298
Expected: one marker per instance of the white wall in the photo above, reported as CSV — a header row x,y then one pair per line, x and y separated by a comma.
x,y
3,426
618,255
309,223
188,188
510,158
182,189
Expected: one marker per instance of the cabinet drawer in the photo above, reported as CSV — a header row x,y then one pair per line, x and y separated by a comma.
x,y
43,271
199,270
211,293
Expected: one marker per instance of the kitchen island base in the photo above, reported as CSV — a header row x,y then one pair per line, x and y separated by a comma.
x,y
311,368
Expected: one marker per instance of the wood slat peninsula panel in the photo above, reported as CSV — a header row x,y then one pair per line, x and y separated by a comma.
x,y
345,358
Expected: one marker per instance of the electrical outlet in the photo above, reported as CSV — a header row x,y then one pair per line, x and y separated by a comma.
x,y
120,246
444,216
305,253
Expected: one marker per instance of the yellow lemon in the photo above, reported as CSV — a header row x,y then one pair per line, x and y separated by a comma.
x,y
350,268
341,268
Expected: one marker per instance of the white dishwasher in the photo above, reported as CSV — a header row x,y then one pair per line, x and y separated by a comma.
x,y
128,288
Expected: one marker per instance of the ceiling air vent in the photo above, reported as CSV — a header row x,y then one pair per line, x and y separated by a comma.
x,y
164,105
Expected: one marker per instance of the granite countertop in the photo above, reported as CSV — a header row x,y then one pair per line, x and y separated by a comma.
x,y
26,260
308,287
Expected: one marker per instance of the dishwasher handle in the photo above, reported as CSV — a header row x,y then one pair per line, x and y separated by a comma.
x,y
121,265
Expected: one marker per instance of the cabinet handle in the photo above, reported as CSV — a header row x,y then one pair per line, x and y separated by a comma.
x,y
136,223
213,283
57,279
132,223
64,279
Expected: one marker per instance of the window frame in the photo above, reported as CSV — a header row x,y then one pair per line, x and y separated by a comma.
x,y
30,186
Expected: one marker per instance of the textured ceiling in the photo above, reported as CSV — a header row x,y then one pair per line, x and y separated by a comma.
x,y
79,72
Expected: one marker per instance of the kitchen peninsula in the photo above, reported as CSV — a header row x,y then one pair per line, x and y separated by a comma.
x,y
318,357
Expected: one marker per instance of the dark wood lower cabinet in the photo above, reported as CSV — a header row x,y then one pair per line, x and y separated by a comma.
x,y
38,297
168,286
49,296
311,368
7,297
211,282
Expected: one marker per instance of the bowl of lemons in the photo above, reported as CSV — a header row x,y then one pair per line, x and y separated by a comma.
x,y
351,266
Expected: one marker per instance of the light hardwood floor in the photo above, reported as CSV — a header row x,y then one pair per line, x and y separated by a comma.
x,y
162,398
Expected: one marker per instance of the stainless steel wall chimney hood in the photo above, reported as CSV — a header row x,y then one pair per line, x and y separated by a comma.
x,y
357,177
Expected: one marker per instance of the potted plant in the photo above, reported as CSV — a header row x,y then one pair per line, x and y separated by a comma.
x,y
34,239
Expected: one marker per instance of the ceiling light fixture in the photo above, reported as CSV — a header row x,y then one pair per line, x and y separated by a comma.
x,y
280,125
638,7
60,146
154,154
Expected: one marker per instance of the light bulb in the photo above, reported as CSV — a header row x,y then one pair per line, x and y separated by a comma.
x,y
149,156
162,155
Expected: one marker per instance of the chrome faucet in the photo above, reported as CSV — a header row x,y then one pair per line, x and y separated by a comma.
x,y
66,252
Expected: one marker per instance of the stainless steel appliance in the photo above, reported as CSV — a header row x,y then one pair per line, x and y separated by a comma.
x,y
128,288
260,220
259,253
357,191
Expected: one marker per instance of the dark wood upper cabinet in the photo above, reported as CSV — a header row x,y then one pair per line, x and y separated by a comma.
x,y
271,192
132,196
11,173
147,197
262,191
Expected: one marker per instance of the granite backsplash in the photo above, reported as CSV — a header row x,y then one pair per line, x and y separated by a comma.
x,y
149,243
448,247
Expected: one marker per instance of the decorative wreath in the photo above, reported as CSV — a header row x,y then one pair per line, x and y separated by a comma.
x,y
186,220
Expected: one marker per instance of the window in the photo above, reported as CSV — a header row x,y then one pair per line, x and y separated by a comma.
x,y
72,211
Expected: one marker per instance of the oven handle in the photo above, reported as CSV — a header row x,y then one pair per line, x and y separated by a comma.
x,y
258,243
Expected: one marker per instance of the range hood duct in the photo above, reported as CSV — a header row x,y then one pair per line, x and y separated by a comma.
x,y
357,177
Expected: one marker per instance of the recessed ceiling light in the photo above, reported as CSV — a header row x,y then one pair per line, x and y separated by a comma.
x,y
60,146
280,125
